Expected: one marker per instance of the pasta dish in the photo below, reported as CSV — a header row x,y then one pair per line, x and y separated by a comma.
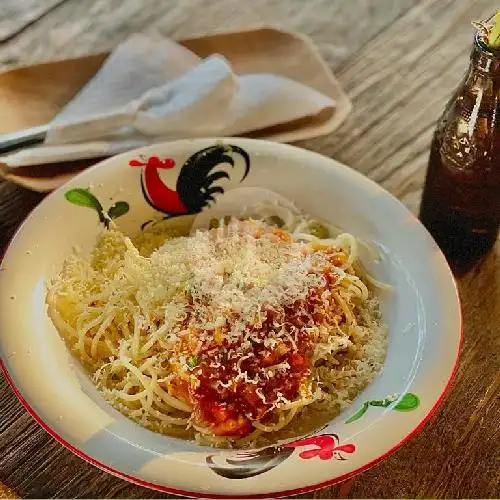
x,y
237,335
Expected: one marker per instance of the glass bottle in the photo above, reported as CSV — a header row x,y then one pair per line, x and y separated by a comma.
x,y
461,200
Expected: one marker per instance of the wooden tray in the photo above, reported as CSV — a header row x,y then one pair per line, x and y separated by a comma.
x,y
33,95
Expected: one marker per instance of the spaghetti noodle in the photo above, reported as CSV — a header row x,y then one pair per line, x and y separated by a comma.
x,y
235,336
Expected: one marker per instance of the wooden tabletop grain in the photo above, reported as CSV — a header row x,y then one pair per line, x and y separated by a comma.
x,y
398,60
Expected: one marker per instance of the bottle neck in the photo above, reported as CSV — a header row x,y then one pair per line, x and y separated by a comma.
x,y
484,59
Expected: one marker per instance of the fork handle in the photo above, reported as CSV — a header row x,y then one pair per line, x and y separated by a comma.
x,y
23,138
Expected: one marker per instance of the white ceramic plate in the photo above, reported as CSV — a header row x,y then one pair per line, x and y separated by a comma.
x,y
423,315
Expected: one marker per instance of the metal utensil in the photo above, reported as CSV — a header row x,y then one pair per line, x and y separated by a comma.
x,y
28,137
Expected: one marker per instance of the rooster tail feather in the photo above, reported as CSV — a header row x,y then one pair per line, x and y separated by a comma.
x,y
245,156
216,189
216,176
196,178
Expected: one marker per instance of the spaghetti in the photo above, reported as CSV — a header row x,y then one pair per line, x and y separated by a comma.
x,y
239,335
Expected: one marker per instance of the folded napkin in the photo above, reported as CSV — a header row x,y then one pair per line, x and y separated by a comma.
x,y
152,89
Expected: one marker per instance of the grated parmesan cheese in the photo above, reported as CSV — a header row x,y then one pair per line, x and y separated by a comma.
x,y
244,320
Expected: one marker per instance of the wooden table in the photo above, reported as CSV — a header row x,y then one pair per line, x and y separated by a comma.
x,y
399,61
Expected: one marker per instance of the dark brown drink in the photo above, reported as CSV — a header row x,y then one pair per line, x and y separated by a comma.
x,y
461,200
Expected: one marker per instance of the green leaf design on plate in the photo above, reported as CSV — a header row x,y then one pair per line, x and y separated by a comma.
x,y
384,403
118,209
408,402
359,413
83,198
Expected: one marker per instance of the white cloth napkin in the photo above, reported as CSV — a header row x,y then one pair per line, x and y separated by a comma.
x,y
152,89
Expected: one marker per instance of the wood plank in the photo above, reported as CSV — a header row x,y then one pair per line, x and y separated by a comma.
x,y
77,27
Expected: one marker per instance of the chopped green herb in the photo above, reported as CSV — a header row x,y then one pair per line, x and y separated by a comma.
x,y
193,361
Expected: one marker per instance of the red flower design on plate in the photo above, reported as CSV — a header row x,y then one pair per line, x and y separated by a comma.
x,y
328,447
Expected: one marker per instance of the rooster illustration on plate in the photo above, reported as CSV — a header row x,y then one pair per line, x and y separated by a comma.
x,y
243,464
197,182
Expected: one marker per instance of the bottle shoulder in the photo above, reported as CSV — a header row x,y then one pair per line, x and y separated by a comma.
x,y
468,130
